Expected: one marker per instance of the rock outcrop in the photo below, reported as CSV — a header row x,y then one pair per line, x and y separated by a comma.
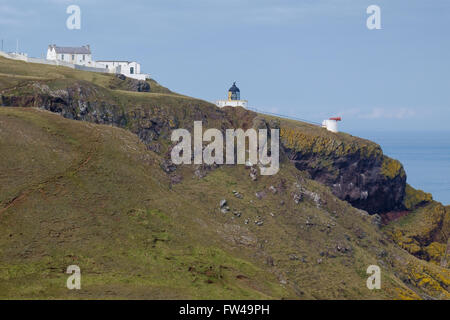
x,y
129,84
357,172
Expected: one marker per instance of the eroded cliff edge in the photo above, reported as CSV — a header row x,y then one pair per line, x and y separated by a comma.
x,y
355,169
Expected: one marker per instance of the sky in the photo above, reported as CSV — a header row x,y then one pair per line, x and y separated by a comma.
x,y
311,59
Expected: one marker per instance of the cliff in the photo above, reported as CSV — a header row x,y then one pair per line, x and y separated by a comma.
x,y
355,169
101,193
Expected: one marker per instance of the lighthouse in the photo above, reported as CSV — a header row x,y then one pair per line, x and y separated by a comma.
x,y
331,124
234,93
234,98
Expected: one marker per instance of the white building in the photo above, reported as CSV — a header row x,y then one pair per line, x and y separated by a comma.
x,y
83,56
75,55
331,124
234,99
130,69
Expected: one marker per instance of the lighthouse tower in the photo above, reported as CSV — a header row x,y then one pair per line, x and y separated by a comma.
x,y
331,124
234,98
234,93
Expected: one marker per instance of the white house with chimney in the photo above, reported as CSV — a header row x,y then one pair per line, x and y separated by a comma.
x,y
75,55
83,56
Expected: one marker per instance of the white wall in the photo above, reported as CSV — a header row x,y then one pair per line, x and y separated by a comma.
x,y
330,125
75,58
51,54
122,67
232,103
69,58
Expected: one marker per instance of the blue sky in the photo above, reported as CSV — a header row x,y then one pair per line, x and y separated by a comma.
x,y
308,58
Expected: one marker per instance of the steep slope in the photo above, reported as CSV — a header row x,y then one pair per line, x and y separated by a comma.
x,y
425,232
94,196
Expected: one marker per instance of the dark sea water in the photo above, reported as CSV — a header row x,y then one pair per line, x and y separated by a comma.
x,y
424,155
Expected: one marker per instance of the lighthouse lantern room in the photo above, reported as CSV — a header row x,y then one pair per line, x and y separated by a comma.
x,y
234,98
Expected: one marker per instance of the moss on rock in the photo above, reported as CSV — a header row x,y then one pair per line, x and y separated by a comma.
x,y
392,168
414,198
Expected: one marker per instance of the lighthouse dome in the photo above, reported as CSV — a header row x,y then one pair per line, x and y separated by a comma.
x,y
234,93
234,88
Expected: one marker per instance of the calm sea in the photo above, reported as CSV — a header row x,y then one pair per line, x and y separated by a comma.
x,y
424,155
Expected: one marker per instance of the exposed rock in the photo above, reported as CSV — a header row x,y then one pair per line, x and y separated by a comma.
x,y
82,101
258,221
202,170
376,220
130,84
237,194
223,203
253,173
356,172
343,248
225,209
174,179
297,197
260,194
313,196
155,147
168,166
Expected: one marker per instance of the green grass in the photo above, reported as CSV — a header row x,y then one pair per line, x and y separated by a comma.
x,y
13,73
98,199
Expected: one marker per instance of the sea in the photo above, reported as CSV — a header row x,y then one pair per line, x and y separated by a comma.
x,y
424,155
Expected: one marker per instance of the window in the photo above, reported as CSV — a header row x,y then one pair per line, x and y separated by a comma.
x,y
84,57
62,57
131,70
73,57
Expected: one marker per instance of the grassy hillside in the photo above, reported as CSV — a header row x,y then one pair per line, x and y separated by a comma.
x,y
94,196
98,196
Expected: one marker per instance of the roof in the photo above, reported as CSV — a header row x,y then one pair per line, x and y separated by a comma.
x,y
71,50
234,89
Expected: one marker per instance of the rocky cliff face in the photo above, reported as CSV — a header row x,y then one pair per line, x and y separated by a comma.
x,y
84,101
356,170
